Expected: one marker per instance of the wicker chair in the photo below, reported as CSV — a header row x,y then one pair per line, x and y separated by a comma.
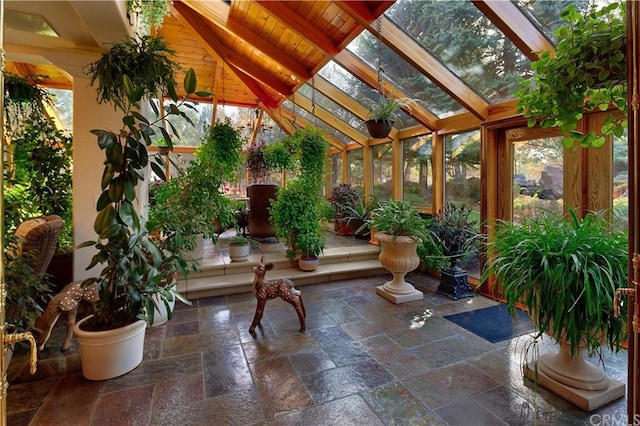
x,y
39,236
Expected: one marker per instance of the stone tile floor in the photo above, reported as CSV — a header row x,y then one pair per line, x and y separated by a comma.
x,y
362,361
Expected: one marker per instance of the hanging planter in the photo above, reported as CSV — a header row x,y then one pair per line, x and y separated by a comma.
x,y
379,128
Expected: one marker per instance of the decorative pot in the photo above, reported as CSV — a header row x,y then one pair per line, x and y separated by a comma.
x,y
112,353
239,252
344,228
399,256
379,128
308,263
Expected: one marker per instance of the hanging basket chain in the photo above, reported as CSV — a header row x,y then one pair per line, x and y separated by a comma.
x,y
379,59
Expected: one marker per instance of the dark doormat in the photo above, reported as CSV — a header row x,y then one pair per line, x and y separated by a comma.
x,y
494,323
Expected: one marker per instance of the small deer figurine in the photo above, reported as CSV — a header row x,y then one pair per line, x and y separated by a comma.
x,y
64,303
265,290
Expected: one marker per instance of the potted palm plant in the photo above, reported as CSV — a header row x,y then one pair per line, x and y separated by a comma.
x,y
399,229
565,273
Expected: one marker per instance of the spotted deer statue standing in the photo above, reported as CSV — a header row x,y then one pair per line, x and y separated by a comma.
x,y
64,303
283,288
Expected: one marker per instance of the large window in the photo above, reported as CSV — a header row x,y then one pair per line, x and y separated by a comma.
x,y
336,170
538,177
462,168
417,170
356,169
382,171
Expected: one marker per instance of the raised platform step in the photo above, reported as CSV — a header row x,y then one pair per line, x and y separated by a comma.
x,y
219,276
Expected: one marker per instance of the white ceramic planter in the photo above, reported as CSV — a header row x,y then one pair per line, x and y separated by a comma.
x,y
112,353
308,263
239,252
160,314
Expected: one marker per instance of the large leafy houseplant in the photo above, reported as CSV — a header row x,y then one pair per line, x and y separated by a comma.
x,y
565,273
298,207
194,203
588,72
135,268
399,218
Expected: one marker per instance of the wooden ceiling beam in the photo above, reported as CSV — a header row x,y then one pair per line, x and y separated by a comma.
x,y
330,119
236,29
367,75
516,27
198,26
411,51
299,25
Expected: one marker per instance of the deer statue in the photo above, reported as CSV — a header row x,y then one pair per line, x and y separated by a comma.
x,y
283,288
64,303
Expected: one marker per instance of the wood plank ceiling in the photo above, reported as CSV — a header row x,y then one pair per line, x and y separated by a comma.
x,y
259,53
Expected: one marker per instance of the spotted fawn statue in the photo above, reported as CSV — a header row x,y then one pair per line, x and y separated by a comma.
x,y
283,288
64,303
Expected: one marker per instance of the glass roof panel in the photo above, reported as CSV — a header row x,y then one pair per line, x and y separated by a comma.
x,y
326,103
315,121
395,69
357,90
345,81
463,39
546,14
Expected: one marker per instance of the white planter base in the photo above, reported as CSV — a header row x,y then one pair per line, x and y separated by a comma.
x,y
586,400
160,314
108,354
407,296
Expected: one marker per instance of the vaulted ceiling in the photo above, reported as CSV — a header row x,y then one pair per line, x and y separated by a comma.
x,y
262,53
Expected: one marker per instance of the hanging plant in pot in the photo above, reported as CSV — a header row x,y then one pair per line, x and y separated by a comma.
x,y
383,113
135,268
587,73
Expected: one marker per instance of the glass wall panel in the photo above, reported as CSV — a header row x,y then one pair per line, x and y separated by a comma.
x,y
462,169
336,170
301,112
621,181
417,170
381,171
537,177
466,41
356,169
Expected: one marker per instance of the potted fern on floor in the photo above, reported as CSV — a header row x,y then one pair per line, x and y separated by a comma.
x,y
565,272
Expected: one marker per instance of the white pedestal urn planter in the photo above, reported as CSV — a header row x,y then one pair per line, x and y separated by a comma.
x,y
398,256
574,378
112,353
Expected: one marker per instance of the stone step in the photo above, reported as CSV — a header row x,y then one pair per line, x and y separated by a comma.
x,y
219,276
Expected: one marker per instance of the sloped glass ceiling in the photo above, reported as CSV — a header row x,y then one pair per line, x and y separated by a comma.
x,y
404,76
315,121
466,41
326,103
345,81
